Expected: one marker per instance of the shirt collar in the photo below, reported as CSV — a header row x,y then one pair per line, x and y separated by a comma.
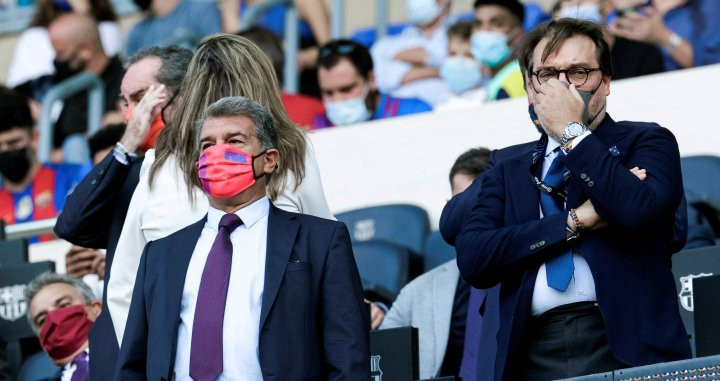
x,y
249,214
551,146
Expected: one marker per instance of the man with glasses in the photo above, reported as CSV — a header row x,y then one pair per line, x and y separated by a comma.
x,y
349,93
579,231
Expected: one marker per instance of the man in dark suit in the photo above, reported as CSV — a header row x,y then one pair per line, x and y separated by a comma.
x,y
94,213
249,291
579,231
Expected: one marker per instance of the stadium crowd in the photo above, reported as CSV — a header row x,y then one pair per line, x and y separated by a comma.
x,y
197,210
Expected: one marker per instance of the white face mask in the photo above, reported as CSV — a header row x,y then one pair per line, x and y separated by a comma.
x,y
589,12
348,111
422,12
461,73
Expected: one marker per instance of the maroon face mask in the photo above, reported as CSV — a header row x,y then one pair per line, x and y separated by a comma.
x,y
64,331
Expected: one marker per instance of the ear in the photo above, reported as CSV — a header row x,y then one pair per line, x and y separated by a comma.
x,y
606,84
94,309
86,52
371,80
272,156
35,139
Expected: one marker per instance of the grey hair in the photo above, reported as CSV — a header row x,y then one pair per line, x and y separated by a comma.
x,y
241,106
47,278
174,64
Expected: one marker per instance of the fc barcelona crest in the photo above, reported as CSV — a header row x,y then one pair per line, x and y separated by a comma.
x,y
686,294
12,302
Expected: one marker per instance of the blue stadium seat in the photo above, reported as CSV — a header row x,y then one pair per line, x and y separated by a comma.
x,y
402,224
534,15
702,190
436,251
37,367
383,267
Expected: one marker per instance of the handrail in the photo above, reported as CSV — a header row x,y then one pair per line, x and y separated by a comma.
x,y
337,19
29,229
291,37
63,90
381,16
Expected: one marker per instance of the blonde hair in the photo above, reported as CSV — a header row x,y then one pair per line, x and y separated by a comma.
x,y
226,65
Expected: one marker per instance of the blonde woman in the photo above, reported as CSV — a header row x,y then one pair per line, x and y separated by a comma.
x,y
168,196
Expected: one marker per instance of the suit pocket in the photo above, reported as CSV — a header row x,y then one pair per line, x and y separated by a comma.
x,y
298,266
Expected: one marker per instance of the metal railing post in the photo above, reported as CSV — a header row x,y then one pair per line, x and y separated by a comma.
x,y
338,19
63,90
382,19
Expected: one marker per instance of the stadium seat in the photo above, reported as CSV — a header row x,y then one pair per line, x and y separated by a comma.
x,y
383,268
702,190
402,224
534,15
13,252
37,367
436,251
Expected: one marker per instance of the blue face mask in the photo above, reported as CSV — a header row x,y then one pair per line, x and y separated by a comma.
x,y
422,12
461,73
349,111
490,48
589,12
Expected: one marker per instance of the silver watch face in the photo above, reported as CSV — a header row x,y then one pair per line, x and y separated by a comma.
x,y
575,129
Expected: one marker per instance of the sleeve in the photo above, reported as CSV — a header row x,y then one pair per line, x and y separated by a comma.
x,y
83,220
618,195
346,320
133,40
127,254
388,72
110,36
489,250
32,57
309,196
132,358
707,46
400,314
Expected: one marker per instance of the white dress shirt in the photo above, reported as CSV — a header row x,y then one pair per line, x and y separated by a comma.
x,y
241,324
164,209
582,284
390,72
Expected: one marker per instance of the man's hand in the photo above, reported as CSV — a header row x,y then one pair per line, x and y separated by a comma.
x,y
648,27
586,212
557,105
144,113
377,315
81,261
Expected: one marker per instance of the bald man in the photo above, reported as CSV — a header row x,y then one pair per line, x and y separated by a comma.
x,y
77,45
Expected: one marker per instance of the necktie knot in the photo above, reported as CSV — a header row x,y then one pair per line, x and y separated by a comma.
x,y
230,222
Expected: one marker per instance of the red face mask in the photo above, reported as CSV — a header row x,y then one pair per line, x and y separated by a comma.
x,y
226,171
156,127
64,331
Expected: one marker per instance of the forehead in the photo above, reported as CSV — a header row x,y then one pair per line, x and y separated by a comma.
x,y
219,127
342,73
48,295
489,12
140,75
575,50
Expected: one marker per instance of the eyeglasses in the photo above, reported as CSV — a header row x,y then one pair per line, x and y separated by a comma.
x,y
342,48
576,75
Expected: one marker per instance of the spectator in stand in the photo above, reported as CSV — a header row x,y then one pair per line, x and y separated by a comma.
x,y
31,67
629,58
686,31
461,71
347,82
301,109
408,65
95,211
170,20
78,47
29,190
497,30
61,310
224,65
445,316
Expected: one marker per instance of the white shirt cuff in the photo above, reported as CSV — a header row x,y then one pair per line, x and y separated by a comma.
x,y
580,138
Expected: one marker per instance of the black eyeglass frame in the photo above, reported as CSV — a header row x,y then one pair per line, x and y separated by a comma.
x,y
586,70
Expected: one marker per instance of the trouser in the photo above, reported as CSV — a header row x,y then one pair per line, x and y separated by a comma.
x,y
567,341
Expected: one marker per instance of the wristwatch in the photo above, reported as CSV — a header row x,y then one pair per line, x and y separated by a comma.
x,y
572,131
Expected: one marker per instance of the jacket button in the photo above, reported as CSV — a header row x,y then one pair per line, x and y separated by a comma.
x,y
102,171
583,176
93,182
542,243
533,247
591,184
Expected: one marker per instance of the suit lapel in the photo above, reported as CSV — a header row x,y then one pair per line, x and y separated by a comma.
x,y
282,229
523,193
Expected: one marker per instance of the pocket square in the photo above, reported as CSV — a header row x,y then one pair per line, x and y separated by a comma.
x,y
614,151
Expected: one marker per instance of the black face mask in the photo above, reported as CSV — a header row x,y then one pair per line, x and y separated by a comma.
x,y
15,164
63,70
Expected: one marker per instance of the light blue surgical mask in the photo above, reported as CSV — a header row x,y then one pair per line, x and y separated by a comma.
x,y
422,12
349,111
461,73
490,48
589,12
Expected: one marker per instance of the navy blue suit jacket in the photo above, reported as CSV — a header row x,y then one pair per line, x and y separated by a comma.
x,y
504,241
314,324
93,216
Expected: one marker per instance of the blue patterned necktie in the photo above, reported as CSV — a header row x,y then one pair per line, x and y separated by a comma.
x,y
560,269
206,346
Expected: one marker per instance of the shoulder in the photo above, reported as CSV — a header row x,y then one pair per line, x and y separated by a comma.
x,y
643,128
190,230
317,227
513,151
426,279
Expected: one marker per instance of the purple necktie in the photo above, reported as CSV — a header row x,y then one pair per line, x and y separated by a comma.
x,y
81,368
206,347
473,325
